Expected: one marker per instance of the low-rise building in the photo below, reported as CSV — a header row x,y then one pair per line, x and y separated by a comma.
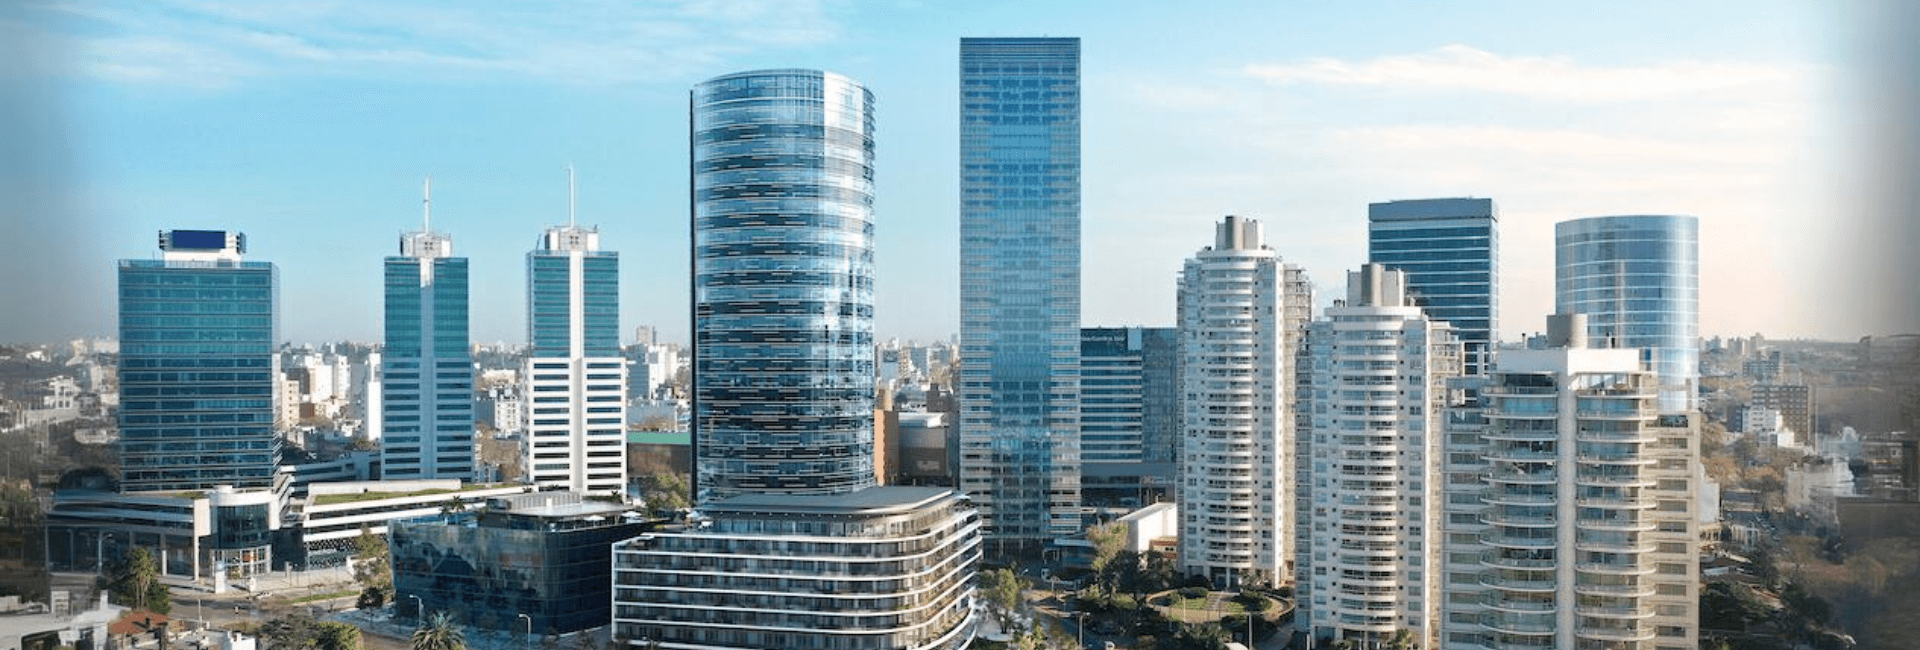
x,y
543,555
879,569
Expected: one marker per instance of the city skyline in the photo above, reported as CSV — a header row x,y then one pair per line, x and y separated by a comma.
x,y
308,127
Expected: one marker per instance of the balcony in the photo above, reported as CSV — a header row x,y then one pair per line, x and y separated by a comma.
x,y
1622,590
1627,569
1628,633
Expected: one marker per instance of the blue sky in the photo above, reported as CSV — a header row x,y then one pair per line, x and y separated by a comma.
x,y
309,124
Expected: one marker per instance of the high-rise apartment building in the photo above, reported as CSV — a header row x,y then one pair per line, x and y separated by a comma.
x,y
1450,251
1019,378
426,397
782,284
1637,278
1370,550
1243,314
1587,534
197,368
574,376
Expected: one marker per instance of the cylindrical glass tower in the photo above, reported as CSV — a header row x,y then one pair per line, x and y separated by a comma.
x,y
1637,278
782,284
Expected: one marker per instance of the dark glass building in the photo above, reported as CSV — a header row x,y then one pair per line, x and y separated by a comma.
x,y
783,357
197,369
1019,379
1450,251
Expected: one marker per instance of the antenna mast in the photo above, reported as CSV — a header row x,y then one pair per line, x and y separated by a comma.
x,y
426,204
570,193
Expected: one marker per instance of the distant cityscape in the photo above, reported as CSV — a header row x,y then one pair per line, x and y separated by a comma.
x,y
1383,472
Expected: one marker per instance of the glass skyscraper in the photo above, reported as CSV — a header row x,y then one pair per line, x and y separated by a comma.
x,y
426,396
574,374
1637,278
197,369
1450,251
782,284
1019,379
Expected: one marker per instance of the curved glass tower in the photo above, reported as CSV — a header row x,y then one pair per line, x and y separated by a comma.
x,y
1637,278
782,284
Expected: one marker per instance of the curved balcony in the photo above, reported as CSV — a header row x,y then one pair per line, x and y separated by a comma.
x,y
1598,568
1496,539
1520,455
1496,518
1388,581
1632,633
1626,591
1635,525
1638,436
1521,435
1614,415
1606,546
1368,596
1624,613
1519,624
1500,601
1518,499
1616,503
1510,475
1612,480
1517,584
1494,560
1637,460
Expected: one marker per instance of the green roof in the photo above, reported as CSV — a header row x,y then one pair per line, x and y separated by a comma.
x,y
680,438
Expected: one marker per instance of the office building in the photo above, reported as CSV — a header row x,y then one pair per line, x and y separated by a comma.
x,y
1019,379
427,366
1129,414
1794,403
881,569
1587,534
1637,278
574,376
1243,314
1370,554
1450,251
534,561
197,370
782,284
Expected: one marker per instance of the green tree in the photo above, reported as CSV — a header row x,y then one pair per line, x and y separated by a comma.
x,y
1108,540
664,491
371,569
136,582
337,636
1001,588
438,632
295,631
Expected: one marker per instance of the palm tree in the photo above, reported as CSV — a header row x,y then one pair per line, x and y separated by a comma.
x,y
438,632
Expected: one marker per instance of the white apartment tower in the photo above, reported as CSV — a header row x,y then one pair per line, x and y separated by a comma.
x,y
1587,535
1242,315
1370,551
575,378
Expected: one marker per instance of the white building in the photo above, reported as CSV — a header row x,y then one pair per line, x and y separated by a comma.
x,y
1588,537
1370,538
1242,314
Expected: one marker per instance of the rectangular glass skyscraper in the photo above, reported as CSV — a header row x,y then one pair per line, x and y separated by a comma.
x,y
1450,251
427,366
1020,284
574,374
197,373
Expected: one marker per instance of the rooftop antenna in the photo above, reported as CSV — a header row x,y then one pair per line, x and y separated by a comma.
x,y
426,204
570,193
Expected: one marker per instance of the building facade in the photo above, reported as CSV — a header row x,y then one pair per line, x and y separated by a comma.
x,y
885,568
782,284
1637,278
1129,407
1370,552
542,555
1019,378
1243,314
1587,534
574,377
197,368
1450,251
427,366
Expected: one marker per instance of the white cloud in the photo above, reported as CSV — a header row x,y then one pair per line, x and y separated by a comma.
x,y
213,43
1463,68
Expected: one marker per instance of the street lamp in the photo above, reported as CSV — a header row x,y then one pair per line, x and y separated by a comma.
x,y
528,637
1081,629
100,552
419,610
